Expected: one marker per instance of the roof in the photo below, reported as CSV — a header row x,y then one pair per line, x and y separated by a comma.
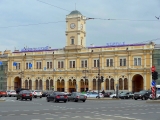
x,y
75,12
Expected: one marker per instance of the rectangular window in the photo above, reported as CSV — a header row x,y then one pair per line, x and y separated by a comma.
x,y
123,62
137,61
49,65
109,62
60,64
39,65
158,61
82,64
18,66
72,64
72,41
96,63
85,63
28,65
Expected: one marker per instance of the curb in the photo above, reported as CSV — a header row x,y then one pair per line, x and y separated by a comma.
x,y
102,99
153,101
1,100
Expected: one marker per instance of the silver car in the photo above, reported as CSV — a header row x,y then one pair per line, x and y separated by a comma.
x,y
11,93
37,93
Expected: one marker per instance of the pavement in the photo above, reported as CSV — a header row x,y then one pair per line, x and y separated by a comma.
x,y
40,109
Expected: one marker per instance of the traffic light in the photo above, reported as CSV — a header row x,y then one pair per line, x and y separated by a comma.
x,y
102,79
154,75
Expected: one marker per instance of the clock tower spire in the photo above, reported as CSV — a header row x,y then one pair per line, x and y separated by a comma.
x,y
75,30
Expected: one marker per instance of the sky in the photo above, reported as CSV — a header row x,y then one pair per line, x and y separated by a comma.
x,y
41,23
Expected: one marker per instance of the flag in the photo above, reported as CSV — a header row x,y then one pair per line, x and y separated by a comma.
x,y
14,64
44,68
30,65
0,62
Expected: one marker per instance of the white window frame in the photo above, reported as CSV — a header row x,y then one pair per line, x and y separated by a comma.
x,y
18,67
61,66
97,63
136,61
27,67
39,65
71,64
109,64
123,58
84,63
50,65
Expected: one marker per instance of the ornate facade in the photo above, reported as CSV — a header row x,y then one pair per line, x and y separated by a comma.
x,y
76,67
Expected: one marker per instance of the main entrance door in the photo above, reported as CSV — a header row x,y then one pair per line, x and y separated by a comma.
x,y
17,83
137,83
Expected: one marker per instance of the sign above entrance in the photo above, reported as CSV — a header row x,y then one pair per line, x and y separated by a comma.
x,y
116,44
35,49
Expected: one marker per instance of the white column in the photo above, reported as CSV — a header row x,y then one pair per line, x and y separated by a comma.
x,y
55,84
130,83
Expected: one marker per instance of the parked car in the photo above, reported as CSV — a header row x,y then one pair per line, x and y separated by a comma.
x,y
3,93
124,95
157,95
44,93
56,97
143,94
107,94
94,95
24,94
77,96
11,93
113,96
36,93
20,89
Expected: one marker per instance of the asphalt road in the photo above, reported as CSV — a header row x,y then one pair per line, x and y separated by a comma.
x,y
40,109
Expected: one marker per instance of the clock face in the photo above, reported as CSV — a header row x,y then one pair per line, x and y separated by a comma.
x,y
72,25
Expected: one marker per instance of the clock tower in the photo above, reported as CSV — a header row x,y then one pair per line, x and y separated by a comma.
x,y
75,30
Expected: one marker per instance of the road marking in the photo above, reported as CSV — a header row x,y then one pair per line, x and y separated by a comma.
x,y
143,113
78,111
25,110
104,110
45,109
134,113
125,114
36,110
10,114
35,119
68,112
76,117
58,112
16,110
35,113
23,114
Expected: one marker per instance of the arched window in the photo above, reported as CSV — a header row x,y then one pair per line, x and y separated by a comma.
x,y
74,82
70,83
120,84
125,84
30,84
40,85
26,84
51,84
94,84
47,84
107,84
36,85
112,84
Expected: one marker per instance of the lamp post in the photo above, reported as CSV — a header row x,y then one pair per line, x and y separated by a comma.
x,y
21,76
85,71
98,75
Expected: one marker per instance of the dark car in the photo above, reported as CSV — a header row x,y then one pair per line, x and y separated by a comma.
x,y
68,96
124,95
3,93
76,96
44,93
56,97
24,94
107,94
20,89
143,94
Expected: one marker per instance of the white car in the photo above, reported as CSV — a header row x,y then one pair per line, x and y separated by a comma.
x,y
37,93
157,95
94,95
113,96
11,93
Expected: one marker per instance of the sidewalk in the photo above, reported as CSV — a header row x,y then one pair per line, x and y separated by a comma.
x,y
1,99
103,99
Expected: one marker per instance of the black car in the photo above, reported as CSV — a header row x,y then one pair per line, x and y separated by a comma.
x,y
77,96
126,95
56,97
24,94
44,93
107,94
143,94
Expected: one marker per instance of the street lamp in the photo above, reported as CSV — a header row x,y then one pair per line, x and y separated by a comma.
x,y
21,76
85,71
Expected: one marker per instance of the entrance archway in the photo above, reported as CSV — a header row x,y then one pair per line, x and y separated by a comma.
x,y
137,83
82,85
17,83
